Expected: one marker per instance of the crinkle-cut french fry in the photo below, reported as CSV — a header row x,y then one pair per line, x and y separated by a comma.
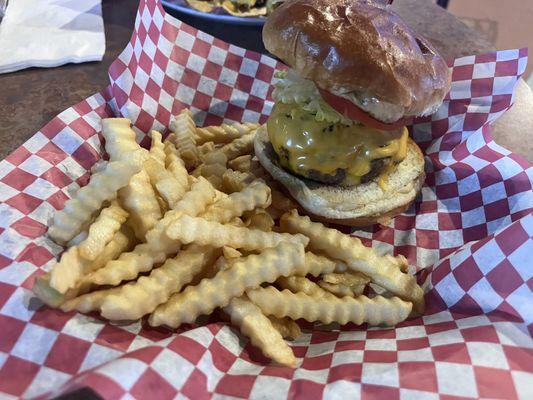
x,y
378,290
122,241
213,168
216,157
184,128
318,265
384,271
98,166
189,229
205,149
219,195
102,230
402,261
281,202
139,199
249,164
71,268
157,239
375,311
234,181
253,323
237,222
51,297
178,171
130,264
230,253
338,289
229,257
193,203
257,169
210,269
165,183
157,148
246,273
214,164
215,181
76,240
175,164
241,146
163,205
301,284
220,265
197,171
158,245
143,296
119,137
315,265
287,328
344,284
89,302
224,133
103,186
251,169
241,163
274,213
197,200
258,218
257,194
46,293
171,139
346,278
192,179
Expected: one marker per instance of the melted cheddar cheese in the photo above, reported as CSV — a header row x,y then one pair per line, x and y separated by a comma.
x,y
305,144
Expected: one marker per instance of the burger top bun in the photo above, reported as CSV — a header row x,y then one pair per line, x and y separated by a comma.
x,y
361,50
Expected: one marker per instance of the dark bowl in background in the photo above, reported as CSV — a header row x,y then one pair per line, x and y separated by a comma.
x,y
247,36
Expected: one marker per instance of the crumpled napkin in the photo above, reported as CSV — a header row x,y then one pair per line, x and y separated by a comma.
x,y
48,33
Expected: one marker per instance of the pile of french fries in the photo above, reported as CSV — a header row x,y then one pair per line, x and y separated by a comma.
x,y
196,224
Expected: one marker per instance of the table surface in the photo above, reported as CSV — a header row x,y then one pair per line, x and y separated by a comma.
x,y
32,97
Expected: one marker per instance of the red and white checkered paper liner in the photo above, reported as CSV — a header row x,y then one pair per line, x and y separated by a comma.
x,y
470,231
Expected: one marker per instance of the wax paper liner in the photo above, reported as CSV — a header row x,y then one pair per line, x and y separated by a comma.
x,y
469,233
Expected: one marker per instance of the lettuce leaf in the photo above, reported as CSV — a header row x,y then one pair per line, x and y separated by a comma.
x,y
293,89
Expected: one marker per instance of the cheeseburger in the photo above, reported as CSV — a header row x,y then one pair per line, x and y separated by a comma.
x,y
336,137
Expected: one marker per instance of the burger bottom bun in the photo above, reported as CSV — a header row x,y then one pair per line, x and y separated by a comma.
x,y
360,205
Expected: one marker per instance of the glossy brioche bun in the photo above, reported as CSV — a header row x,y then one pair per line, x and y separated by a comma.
x,y
362,205
359,47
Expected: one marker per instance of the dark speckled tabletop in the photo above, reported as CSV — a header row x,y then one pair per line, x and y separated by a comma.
x,y
30,98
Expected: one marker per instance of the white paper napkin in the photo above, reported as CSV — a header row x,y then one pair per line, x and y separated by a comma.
x,y
48,33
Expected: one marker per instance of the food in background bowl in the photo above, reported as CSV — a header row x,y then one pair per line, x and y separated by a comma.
x,y
238,8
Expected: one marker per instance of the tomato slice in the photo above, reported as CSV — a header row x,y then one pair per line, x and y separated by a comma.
x,y
350,110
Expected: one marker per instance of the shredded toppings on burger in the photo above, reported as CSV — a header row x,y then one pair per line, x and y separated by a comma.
x,y
293,89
